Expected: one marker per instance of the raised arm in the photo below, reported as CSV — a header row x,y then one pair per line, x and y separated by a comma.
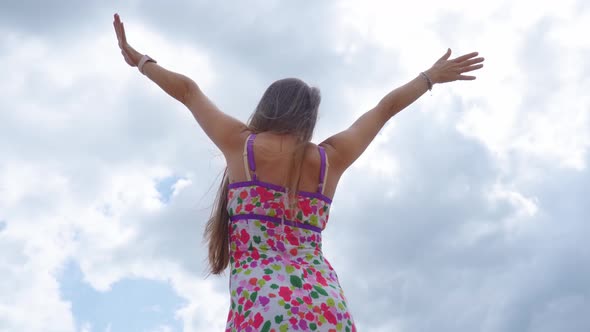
x,y
345,147
224,130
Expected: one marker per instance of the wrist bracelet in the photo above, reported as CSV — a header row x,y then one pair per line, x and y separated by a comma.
x,y
427,80
145,58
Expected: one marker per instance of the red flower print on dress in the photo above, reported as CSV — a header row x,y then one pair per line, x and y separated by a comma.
x,y
293,240
288,214
244,236
239,319
321,280
330,317
265,194
285,293
258,320
243,194
304,206
255,254
248,305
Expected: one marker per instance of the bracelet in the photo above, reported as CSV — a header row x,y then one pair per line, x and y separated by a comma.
x,y
427,80
145,58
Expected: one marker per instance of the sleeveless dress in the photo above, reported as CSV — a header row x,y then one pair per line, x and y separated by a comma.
x,y
280,280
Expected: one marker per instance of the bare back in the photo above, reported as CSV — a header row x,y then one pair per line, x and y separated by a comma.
x,y
273,154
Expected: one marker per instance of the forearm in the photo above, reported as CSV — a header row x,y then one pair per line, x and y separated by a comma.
x,y
403,96
174,84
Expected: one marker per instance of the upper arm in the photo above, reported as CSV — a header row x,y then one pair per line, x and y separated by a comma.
x,y
349,144
224,130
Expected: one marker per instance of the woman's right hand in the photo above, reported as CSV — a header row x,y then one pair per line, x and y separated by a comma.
x,y
445,70
130,55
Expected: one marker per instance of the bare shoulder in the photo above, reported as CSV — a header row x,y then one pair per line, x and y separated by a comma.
x,y
235,147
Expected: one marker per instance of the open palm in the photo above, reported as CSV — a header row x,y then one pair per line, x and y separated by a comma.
x,y
445,70
130,55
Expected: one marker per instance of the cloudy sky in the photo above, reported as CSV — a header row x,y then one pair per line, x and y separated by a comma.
x,y
469,212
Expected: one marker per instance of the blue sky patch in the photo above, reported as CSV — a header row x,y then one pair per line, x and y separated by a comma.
x,y
130,305
165,187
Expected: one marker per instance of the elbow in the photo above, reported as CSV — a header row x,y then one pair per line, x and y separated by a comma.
x,y
190,88
386,111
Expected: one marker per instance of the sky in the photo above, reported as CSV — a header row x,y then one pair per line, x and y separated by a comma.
x,y
468,212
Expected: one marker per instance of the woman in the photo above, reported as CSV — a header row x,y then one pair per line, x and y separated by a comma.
x,y
276,192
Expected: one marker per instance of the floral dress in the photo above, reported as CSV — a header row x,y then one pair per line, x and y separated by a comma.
x,y
280,280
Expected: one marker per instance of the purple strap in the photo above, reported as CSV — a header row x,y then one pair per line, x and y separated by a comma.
x,y
251,163
275,220
322,168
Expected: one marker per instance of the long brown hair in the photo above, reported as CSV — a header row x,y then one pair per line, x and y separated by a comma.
x,y
288,106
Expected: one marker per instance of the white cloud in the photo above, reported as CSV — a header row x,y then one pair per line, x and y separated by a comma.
x,y
70,201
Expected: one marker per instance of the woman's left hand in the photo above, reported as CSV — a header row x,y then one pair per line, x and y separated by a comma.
x,y
131,56
445,70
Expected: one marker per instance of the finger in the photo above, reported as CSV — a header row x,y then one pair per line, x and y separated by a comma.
x,y
123,33
117,19
117,25
472,61
471,68
117,31
446,55
465,57
117,22
466,78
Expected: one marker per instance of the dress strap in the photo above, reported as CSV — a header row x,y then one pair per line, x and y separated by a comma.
x,y
249,165
323,169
